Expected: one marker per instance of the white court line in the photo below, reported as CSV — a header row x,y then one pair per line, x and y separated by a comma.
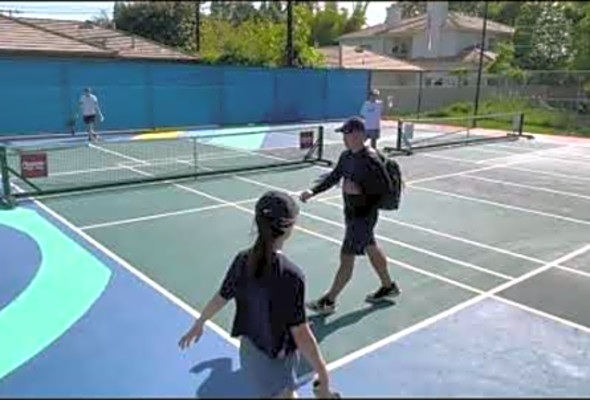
x,y
319,235
544,158
389,240
510,167
140,275
495,166
543,314
474,243
575,271
112,152
446,235
530,187
503,205
455,309
427,322
162,215
557,149
386,239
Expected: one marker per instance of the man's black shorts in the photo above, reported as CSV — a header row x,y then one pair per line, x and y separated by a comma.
x,y
359,233
89,119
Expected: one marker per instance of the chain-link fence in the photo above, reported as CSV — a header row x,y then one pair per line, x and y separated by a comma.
x,y
427,91
564,95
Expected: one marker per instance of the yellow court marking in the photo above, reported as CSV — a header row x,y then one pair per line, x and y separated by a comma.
x,y
158,135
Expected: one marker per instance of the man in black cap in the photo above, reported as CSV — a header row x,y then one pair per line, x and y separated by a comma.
x,y
365,182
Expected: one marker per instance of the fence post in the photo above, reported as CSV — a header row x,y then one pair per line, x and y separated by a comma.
x,y
6,194
149,87
420,84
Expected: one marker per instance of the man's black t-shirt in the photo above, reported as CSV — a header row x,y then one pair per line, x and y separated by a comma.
x,y
266,307
366,170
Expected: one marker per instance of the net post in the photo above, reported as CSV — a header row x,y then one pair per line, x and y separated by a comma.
x,y
6,194
195,156
520,124
399,135
321,143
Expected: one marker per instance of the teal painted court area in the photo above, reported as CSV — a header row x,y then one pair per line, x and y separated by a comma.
x,y
491,250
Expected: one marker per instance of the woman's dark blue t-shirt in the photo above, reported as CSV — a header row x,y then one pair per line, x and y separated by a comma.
x,y
266,307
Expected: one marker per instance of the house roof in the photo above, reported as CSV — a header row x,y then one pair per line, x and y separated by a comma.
x,y
22,37
366,60
466,57
454,20
71,37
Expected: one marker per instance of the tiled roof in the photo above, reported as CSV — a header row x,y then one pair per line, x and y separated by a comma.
x,y
419,24
61,36
365,60
468,57
17,36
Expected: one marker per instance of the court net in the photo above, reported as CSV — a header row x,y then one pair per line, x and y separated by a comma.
x,y
31,167
427,133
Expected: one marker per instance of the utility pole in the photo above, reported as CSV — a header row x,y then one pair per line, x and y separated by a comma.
x,y
198,25
290,48
481,53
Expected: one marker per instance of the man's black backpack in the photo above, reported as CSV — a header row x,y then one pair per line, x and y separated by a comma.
x,y
391,199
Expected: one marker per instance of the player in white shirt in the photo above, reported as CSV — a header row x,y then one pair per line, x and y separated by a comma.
x,y
90,110
371,112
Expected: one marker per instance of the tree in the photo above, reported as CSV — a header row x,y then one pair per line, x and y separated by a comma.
x,y
104,20
581,41
169,23
258,41
543,37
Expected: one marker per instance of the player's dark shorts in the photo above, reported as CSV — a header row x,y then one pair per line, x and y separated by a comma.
x,y
89,119
359,233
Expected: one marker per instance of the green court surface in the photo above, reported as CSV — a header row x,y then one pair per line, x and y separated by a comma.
x,y
481,220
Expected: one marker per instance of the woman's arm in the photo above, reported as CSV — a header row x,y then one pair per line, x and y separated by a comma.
x,y
217,302
193,335
215,305
308,346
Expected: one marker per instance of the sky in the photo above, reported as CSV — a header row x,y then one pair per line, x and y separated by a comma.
x,y
83,10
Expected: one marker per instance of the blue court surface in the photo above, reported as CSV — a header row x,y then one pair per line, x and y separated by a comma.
x,y
491,249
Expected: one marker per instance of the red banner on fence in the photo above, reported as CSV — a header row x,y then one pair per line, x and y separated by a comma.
x,y
306,139
33,165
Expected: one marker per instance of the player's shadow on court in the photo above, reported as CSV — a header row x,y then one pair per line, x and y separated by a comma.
x,y
222,380
322,329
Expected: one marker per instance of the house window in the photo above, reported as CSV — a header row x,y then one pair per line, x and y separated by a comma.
x,y
400,48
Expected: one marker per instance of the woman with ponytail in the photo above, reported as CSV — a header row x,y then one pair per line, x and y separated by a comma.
x,y
269,291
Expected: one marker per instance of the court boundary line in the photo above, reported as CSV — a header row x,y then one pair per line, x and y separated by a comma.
x,y
348,358
326,168
413,268
317,234
460,239
551,157
453,310
446,235
337,242
529,187
514,281
396,242
134,271
520,169
161,215
416,269
501,205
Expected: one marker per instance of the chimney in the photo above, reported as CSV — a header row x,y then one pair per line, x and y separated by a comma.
x,y
438,12
394,14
